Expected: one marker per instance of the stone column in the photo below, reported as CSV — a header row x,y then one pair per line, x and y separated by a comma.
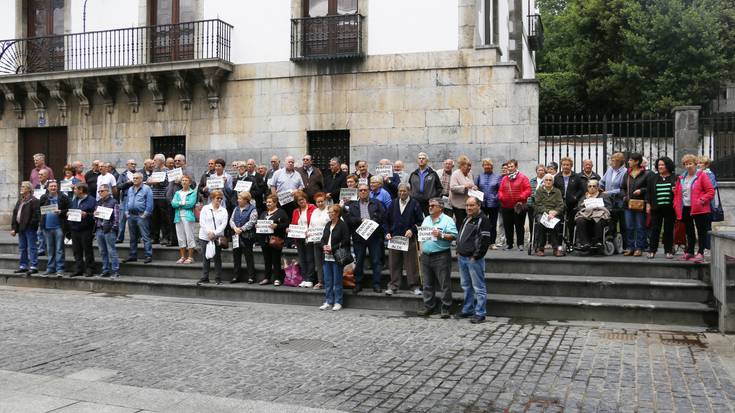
x,y
686,132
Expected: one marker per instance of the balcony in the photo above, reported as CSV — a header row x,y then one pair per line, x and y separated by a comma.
x,y
535,32
104,61
327,38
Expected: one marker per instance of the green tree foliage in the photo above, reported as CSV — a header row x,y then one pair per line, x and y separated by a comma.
x,y
634,55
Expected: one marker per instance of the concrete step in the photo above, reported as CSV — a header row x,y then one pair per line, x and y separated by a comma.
x,y
508,305
501,283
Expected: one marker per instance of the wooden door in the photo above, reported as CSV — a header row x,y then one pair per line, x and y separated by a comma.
x,y
48,141
45,49
173,30
326,33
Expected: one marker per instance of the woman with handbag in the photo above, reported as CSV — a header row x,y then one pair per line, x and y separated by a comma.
x,y
273,243
183,204
634,191
336,241
212,224
319,219
242,223
660,204
692,196
302,216
514,191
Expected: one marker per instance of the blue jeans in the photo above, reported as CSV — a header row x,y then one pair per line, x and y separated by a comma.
x,y
123,221
472,278
27,244
635,229
139,227
55,250
41,239
108,251
332,283
374,245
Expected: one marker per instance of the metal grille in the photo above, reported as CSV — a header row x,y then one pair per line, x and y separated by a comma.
x,y
324,145
328,37
168,145
718,142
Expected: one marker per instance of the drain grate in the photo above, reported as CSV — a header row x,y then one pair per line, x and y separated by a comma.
x,y
305,344
694,340
617,336
543,404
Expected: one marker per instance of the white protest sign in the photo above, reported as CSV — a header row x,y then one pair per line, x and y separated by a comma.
x,y
74,215
367,228
384,170
49,209
157,177
38,193
216,182
349,194
175,174
425,234
363,181
445,202
103,212
314,234
594,203
66,186
243,186
263,226
547,221
285,197
235,241
398,243
477,194
297,231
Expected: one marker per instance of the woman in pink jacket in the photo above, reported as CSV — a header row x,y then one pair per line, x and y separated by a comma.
x,y
513,193
692,196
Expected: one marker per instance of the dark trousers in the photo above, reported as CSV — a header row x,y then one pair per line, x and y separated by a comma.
x,y
569,235
542,234
513,221
160,222
217,262
246,249
589,231
306,260
531,220
492,215
374,245
272,258
83,251
172,238
617,219
436,269
662,216
459,215
691,222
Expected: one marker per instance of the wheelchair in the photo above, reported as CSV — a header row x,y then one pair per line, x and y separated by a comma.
x,y
610,245
564,243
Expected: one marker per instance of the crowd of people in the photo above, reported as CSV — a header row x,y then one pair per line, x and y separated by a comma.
x,y
334,217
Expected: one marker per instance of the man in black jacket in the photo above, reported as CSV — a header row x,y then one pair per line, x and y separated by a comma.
x,y
425,183
572,188
81,231
361,210
403,219
334,180
106,231
472,244
54,227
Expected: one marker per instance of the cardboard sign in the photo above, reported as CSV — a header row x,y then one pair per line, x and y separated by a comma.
x,y
445,202
547,221
243,186
477,194
314,234
38,193
285,197
592,203
366,229
263,226
297,231
175,174
157,177
216,182
363,181
49,209
425,234
74,215
348,194
384,170
103,212
66,186
398,243
235,241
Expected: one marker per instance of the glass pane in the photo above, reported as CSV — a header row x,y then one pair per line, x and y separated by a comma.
x,y
38,10
164,10
346,6
318,8
186,11
58,17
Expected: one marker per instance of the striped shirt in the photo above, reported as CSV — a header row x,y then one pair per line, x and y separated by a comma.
x,y
664,193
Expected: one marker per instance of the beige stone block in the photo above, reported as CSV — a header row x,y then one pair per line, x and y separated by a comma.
x,y
343,81
424,98
287,123
490,96
456,97
371,120
408,136
472,117
444,117
397,79
371,81
452,77
409,119
369,137
327,121
437,135
421,79
506,116
289,140
503,74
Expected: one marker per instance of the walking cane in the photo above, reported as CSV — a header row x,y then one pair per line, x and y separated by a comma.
x,y
418,261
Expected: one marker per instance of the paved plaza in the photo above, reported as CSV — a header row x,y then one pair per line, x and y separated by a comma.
x,y
74,352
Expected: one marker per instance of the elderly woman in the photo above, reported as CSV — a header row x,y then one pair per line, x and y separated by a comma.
x,y
488,182
549,202
592,217
692,196
302,216
515,189
242,222
536,183
336,236
460,183
183,204
610,184
68,182
272,251
351,182
319,220
212,223
25,220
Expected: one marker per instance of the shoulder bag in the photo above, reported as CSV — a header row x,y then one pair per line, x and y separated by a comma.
x,y
718,214
221,241
637,205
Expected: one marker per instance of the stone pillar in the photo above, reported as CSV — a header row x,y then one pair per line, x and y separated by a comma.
x,y
515,33
686,133
467,23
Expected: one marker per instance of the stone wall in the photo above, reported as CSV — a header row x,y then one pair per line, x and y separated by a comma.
x,y
445,104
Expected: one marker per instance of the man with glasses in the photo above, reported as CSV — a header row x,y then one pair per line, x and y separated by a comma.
x,y
106,230
312,178
436,260
363,209
139,209
425,183
125,182
287,179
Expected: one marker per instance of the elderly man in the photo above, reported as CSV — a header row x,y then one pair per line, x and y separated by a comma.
x,y
361,170
425,183
91,176
106,231
39,190
53,225
472,244
125,182
390,182
436,260
398,168
82,231
588,173
334,180
361,210
258,188
378,193
312,178
403,219
203,180
572,190
78,170
106,178
160,222
275,166
139,209
39,162
445,176
287,180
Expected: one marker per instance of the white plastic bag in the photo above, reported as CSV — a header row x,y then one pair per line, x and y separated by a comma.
x,y
211,250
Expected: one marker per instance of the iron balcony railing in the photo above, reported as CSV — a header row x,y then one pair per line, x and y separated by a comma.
x,y
535,32
328,37
197,40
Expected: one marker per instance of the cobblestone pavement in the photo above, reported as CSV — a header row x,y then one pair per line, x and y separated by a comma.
x,y
357,360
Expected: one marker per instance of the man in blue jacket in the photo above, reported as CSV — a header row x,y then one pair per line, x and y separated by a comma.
x,y
81,231
403,219
106,230
366,209
140,207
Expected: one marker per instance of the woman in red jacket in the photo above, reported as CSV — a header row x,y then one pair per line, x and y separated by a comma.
x,y
692,196
302,216
513,193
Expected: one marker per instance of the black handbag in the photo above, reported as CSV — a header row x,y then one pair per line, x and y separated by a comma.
x,y
342,256
718,214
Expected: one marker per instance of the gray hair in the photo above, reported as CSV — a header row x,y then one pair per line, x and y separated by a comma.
x,y
549,175
103,186
180,157
39,156
335,159
159,156
26,184
376,179
138,175
475,198
438,201
404,185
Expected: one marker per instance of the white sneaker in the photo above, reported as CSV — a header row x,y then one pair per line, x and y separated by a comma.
x,y
325,306
307,284
337,307
418,291
389,292
302,284
707,253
